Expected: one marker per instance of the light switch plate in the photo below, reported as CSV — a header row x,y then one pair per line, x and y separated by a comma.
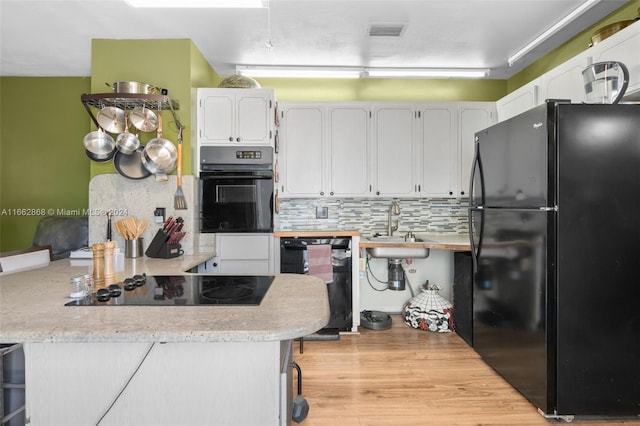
x,y
322,212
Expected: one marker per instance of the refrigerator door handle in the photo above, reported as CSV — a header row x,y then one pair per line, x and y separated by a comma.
x,y
475,247
473,173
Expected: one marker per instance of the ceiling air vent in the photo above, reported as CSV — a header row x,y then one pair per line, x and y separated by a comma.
x,y
386,29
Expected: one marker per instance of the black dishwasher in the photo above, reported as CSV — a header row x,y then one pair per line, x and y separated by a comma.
x,y
294,259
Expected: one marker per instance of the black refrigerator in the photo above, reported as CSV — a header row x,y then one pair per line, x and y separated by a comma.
x,y
555,233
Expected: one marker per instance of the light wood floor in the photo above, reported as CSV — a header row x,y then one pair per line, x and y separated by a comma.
x,y
404,376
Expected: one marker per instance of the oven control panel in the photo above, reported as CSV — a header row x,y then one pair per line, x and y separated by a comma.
x,y
253,155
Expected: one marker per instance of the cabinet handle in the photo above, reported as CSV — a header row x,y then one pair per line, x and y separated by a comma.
x,y
230,138
321,192
238,139
419,188
462,192
450,192
377,192
331,193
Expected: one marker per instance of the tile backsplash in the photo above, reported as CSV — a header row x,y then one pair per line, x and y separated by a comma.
x,y
369,215
138,198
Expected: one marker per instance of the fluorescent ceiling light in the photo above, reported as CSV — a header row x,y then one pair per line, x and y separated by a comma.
x,y
552,30
299,72
197,3
427,72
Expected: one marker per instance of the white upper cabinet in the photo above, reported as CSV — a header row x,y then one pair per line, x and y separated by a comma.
x,y
302,151
394,153
623,46
472,117
235,116
348,143
519,101
565,81
324,150
438,127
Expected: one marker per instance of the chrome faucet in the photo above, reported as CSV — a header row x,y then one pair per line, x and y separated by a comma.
x,y
394,208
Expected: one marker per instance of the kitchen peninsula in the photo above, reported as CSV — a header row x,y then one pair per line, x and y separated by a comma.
x,y
114,365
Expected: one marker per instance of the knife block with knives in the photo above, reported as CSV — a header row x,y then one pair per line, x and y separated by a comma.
x,y
165,244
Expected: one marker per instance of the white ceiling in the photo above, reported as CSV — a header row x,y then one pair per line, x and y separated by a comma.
x,y
53,37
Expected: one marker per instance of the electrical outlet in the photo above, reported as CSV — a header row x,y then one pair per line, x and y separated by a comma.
x,y
158,214
322,212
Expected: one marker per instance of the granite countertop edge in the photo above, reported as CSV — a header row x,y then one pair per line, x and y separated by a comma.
x,y
32,309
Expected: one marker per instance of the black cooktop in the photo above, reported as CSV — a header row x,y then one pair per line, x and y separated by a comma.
x,y
183,290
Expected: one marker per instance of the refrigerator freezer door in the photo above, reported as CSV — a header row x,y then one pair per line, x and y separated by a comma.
x,y
511,162
598,288
510,296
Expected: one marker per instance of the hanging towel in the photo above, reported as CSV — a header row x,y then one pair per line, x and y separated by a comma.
x,y
320,262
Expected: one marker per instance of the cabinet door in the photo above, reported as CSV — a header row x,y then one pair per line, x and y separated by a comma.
x,y
244,253
348,151
439,150
472,118
519,101
394,150
253,118
216,118
565,81
623,46
302,152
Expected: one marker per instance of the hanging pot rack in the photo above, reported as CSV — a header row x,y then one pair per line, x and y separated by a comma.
x,y
128,101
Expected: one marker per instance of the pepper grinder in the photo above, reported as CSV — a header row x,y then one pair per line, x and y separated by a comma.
x,y
108,226
109,275
98,266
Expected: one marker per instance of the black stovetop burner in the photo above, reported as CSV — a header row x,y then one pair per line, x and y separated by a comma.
x,y
187,290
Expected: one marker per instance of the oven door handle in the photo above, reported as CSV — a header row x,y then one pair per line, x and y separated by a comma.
x,y
224,177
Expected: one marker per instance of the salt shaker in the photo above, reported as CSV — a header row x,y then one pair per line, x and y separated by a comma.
x,y
77,288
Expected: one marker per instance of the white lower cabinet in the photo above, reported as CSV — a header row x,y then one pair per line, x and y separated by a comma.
x,y
199,383
246,254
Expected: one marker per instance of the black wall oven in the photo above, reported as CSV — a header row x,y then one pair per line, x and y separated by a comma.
x,y
236,189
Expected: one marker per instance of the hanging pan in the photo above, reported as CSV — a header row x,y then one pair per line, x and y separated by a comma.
x,y
126,142
99,146
130,165
160,155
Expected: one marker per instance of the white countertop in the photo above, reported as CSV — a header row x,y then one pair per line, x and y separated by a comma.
x,y
32,309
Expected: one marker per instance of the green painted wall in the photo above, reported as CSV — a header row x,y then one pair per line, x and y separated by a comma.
x,y
163,63
174,64
377,89
572,47
43,165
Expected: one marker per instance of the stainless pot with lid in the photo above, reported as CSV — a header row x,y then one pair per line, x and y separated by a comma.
x,y
605,82
136,87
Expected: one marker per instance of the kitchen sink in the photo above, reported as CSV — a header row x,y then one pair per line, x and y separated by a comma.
x,y
389,250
